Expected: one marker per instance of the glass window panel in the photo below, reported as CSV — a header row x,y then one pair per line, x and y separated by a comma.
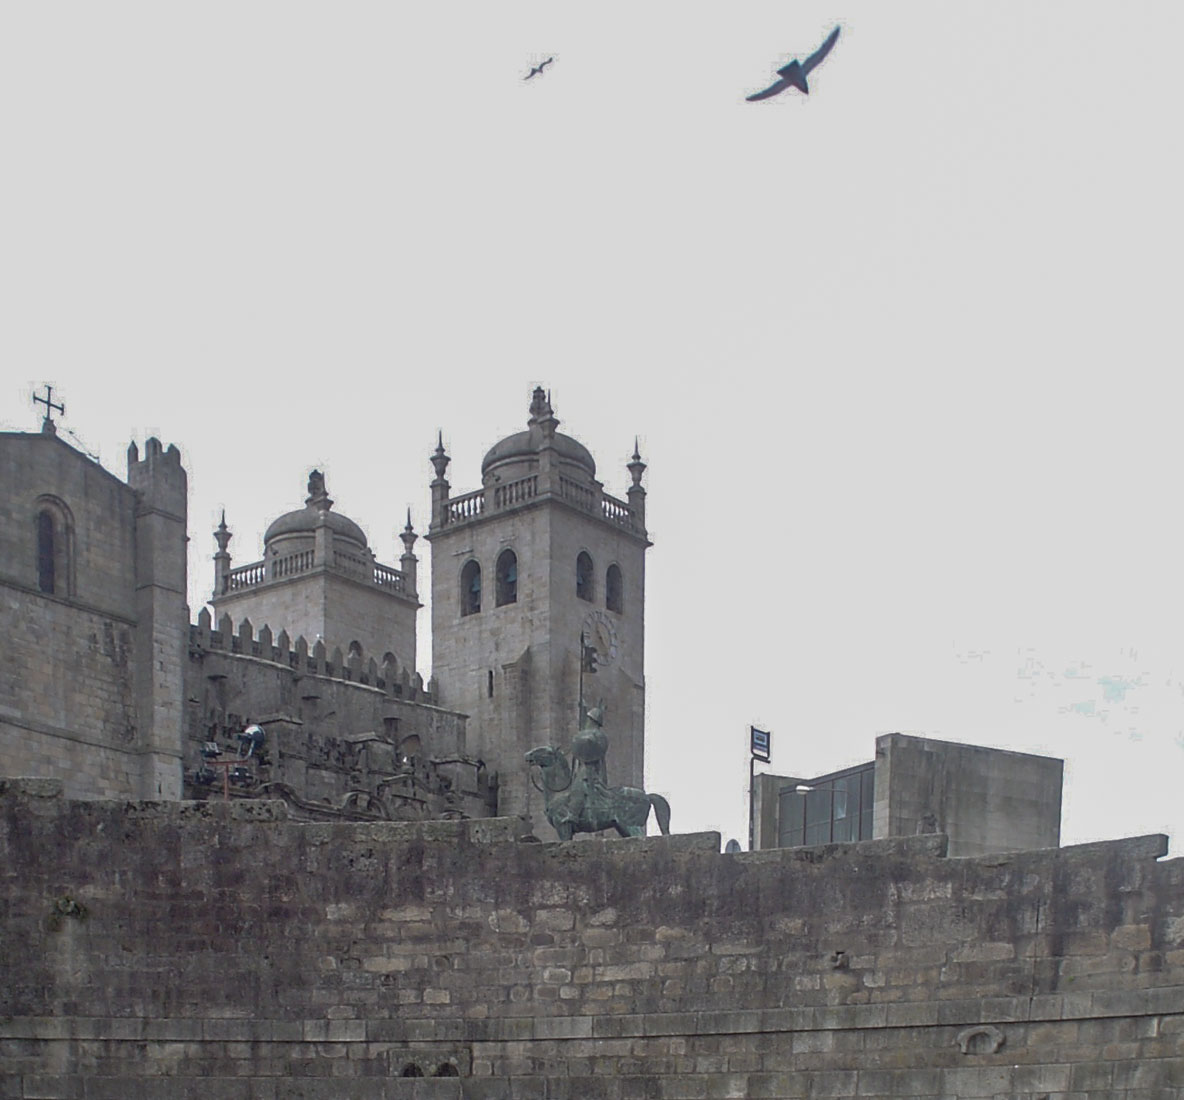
x,y
818,806
844,830
818,834
792,809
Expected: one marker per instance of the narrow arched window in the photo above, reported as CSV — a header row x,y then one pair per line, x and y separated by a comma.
x,y
507,577
614,595
470,589
45,552
584,574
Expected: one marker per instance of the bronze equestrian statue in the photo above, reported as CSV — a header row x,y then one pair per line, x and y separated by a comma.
x,y
580,801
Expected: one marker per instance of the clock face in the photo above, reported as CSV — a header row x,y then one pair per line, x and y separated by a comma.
x,y
601,632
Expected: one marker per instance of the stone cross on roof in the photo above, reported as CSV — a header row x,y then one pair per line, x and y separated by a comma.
x,y
48,402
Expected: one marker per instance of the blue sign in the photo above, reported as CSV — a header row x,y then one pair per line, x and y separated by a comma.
x,y
761,746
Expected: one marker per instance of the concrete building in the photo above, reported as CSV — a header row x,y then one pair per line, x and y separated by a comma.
x,y
984,800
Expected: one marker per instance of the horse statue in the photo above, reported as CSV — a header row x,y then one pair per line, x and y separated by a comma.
x,y
585,805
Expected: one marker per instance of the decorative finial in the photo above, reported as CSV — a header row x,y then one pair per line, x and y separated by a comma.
x,y
540,405
636,468
222,536
542,414
408,536
440,459
318,498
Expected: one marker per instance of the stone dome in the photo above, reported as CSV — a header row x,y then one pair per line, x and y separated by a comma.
x,y
525,446
528,443
303,521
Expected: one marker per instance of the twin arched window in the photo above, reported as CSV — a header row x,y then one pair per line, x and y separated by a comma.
x,y
505,586
506,583
614,585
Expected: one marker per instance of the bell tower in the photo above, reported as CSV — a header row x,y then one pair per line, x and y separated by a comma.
x,y
538,588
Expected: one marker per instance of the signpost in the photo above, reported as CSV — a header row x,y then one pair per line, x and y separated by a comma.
x,y
760,747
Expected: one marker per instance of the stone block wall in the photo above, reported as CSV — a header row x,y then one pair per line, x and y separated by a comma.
x,y
67,702
186,949
349,737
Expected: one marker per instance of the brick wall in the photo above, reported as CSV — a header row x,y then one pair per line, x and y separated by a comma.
x,y
199,949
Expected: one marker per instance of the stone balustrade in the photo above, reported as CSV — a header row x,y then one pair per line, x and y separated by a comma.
x,y
513,494
348,564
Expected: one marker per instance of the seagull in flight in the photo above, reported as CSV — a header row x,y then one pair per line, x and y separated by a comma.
x,y
794,74
538,69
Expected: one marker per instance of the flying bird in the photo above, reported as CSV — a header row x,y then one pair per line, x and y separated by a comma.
x,y
538,68
794,74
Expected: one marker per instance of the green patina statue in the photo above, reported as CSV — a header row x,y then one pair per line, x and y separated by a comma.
x,y
578,798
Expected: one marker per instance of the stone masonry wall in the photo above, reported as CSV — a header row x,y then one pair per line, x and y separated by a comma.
x,y
67,705
329,738
199,949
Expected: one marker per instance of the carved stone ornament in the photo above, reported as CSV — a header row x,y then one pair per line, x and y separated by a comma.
x,y
981,1039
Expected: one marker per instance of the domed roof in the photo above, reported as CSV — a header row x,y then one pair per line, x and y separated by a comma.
x,y
304,520
527,444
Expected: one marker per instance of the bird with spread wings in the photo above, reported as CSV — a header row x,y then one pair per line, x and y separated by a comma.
x,y
794,74
537,70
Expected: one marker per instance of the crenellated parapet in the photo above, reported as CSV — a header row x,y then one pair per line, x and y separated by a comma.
x,y
350,665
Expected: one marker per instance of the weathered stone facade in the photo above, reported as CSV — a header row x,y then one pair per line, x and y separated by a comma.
x,y
180,949
95,617
514,665
318,577
346,737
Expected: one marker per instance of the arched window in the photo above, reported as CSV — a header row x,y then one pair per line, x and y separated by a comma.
x,y
470,588
614,594
53,530
584,574
507,577
45,552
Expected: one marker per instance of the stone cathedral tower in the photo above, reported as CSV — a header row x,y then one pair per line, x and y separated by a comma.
x,y
522,568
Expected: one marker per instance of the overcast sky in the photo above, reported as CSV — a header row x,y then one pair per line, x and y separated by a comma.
x,y
903,356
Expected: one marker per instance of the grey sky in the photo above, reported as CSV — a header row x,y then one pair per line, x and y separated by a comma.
x,y
902,356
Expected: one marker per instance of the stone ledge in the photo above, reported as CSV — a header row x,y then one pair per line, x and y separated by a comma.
x,y
1165,1001
1150,1078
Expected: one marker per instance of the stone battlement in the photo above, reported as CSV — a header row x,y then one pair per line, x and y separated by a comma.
x,y
315,660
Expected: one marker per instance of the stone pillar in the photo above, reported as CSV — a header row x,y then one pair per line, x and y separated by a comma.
x,y
636,493
318,498
222,559
409,563
162,616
